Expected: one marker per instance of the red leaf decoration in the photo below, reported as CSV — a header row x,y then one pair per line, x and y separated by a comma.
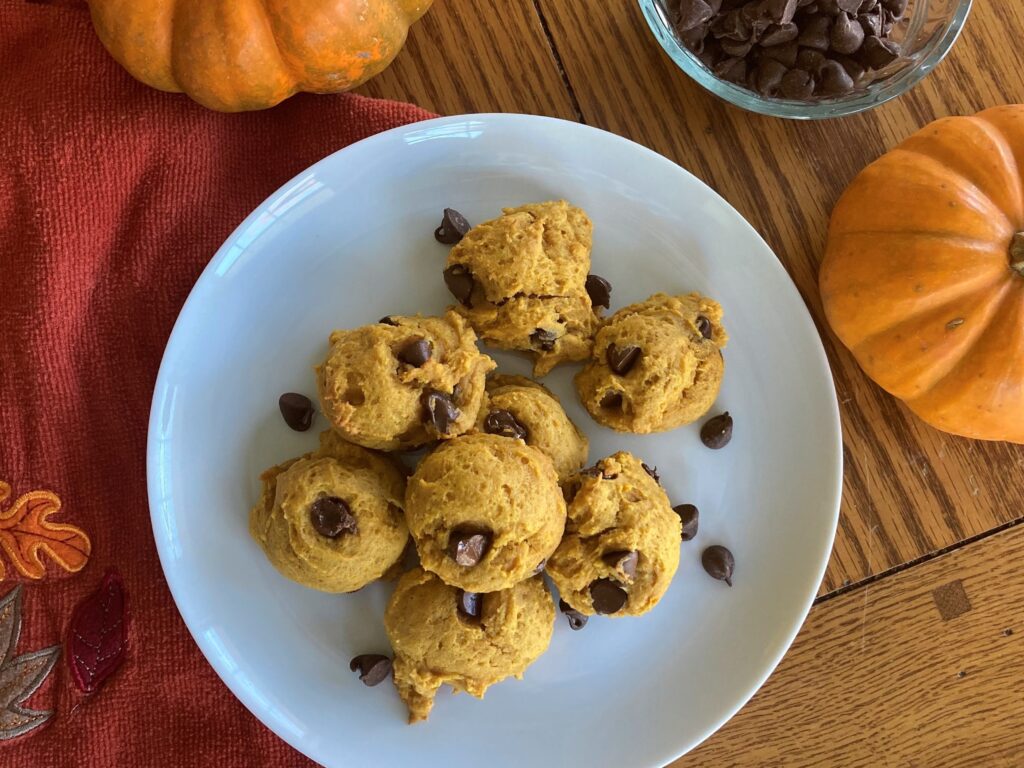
x,y
98,634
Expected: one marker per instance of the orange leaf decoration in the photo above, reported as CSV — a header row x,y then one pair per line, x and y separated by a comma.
x,y
26,532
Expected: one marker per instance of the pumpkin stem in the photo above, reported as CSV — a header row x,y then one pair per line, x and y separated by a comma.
x,y
1017,253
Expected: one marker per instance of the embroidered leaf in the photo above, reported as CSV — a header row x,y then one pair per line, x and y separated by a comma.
x,y
98,634
26,532
20,676
10,624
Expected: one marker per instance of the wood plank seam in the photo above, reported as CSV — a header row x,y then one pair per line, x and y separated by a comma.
x,y
846,588
558,62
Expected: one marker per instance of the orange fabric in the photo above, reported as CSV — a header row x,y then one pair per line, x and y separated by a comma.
x,y
113,197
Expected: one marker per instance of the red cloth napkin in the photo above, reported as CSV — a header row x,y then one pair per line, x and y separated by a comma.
x,y
112,199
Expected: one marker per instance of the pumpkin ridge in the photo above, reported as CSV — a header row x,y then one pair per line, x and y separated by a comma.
x,y
285,62
999,305
964,184
1009,156
953,303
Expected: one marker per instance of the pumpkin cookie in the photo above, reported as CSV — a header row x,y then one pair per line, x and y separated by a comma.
x,y
403,382
521,408
621,544
656,365
332,519
485,511
521,281
441,634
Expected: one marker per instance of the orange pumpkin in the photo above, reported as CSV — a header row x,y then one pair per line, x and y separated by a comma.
x,y
234,55
923,277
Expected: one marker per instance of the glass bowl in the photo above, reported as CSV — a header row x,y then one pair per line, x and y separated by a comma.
x,y
927,31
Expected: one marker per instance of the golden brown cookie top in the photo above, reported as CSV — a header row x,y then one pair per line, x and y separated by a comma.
x,y
403,382
436,640
519,407
621,545
656,364
332,519
520,279
485,511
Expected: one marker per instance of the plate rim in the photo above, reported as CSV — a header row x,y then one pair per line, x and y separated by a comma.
x,y
510,120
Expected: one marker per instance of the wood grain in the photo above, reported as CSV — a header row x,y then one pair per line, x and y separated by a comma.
x,y
878,677
909,490
463,56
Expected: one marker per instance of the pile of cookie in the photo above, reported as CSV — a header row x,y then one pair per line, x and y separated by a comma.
x,y
502,496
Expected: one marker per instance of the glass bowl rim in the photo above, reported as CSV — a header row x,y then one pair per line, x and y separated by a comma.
x,y
798,110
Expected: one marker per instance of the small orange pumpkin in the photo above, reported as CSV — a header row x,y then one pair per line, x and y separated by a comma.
x,y
234,55
923,277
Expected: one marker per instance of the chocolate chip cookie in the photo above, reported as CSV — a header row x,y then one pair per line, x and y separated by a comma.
x,y
655,365
621,544
520,408
471,641
403,382
332,519
521,280
485,511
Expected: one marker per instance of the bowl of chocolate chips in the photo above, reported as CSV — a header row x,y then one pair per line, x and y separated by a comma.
x,y
807,59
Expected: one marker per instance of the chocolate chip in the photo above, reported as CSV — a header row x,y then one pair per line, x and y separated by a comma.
x,y
469,604
652,471
414,352
853,68
373,668
621,361
544,339
733,69
779,34
871,23
703,324
599,290
738,48
878,53
467,547
797,84
780,11
896,7
624,561
331,517
611,400
731,26
297,410
689,516
502,422
692,13
460,282
784,54
849,6
847,34
810,60
816,33
607,596
388,320
597,471
577,620
540,567
440,410
768,79
717,431
835,80
718,562
453,227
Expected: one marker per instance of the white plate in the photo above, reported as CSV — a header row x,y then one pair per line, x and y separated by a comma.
x,y
350,240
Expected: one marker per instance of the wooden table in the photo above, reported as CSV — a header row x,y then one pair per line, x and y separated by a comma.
x,y
914,652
